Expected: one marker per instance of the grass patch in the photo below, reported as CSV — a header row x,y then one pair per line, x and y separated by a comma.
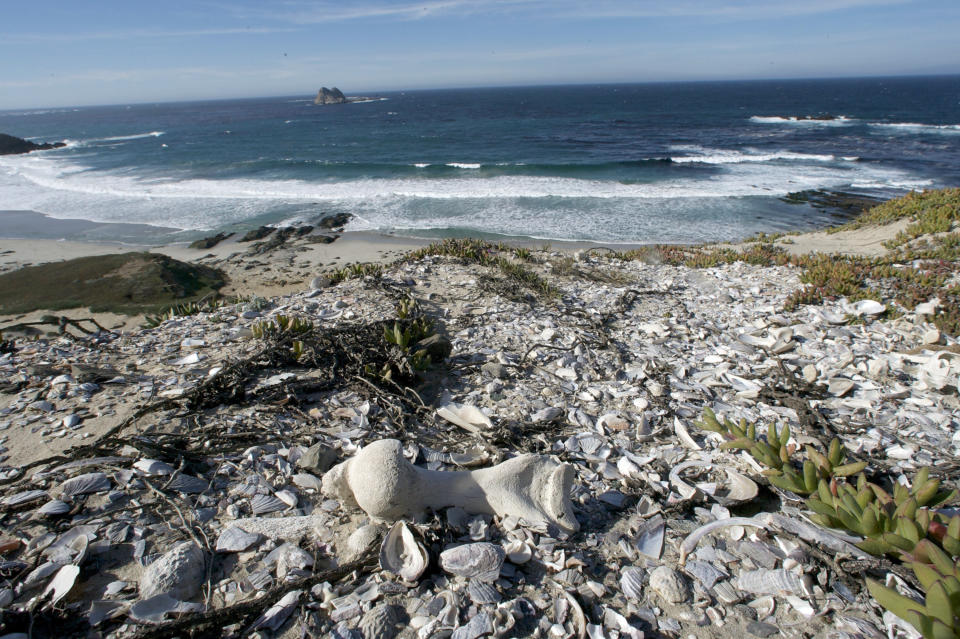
x,y
130,283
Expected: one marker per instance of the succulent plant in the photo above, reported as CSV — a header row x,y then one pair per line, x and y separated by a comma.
x,y
938,616
281,324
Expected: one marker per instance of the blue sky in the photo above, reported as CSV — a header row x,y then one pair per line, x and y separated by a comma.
x,y
72,52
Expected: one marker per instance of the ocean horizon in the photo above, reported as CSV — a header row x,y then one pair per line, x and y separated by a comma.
x,y
621,163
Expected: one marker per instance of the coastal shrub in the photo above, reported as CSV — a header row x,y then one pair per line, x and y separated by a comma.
x,y
932,211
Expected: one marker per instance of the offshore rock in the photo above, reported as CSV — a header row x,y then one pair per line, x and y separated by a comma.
x,y
10,145
330,96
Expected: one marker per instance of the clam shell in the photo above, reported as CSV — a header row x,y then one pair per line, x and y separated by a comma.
x,y
482,592
235,539
153,467
187,484
402,554
769,582
54,507
481,561
87,483
739,489
631,583
465,416
288,497
262,504
24,497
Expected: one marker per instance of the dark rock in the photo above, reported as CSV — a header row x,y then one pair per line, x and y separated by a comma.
x,y
337,220
494,369
760,629
319,458
437,346
10,145
330,96
211,241
320,281
279,238
86,373
847,205
321,239
257,234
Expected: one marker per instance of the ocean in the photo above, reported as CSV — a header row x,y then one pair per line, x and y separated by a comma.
x,y
643,163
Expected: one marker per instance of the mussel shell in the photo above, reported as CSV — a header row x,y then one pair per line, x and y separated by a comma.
x,y
402,554
87,483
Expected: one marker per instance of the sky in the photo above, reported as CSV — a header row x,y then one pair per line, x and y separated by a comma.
x,y
75,53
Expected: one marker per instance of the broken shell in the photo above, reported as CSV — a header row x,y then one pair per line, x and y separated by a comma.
x,y
482,592
83,484
631,583
465,416
235,539
402,554
867,307
650,538
155,609
478,561
360,540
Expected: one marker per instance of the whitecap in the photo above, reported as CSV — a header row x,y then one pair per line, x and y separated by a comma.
x,y
463,165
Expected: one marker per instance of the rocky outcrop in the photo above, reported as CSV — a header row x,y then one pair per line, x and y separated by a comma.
x,y
330,96
10,145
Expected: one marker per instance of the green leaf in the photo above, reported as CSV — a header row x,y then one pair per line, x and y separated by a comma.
x,y
740,442
849,469
818,506
785,435
893,601
835,452
875,546
920,479
809,476
926,574
897,541
938,603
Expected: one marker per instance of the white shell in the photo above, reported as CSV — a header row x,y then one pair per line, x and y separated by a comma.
x,y
867,307
155,609
739,488
518,551
83,484
481,561
153,467
288,497
402,554
62,583
465,416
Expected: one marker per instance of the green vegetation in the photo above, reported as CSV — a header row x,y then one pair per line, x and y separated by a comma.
x,y
130,283
473,251
916,269
905,525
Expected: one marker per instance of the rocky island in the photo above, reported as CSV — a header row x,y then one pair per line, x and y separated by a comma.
x,y
11,145
336,96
